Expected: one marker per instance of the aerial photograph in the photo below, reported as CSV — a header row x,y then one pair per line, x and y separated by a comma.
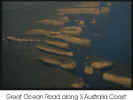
x,y
66,45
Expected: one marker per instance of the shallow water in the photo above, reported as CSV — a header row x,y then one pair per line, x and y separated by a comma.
x,y
21,70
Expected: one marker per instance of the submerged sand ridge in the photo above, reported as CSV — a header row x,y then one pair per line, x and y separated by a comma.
x,y
57,43
101,64
60,61
105,10
13,38
125,81
74,40
71,30
88,70
96,65
54,22
41,32
89,4
54,50
64,11
88,10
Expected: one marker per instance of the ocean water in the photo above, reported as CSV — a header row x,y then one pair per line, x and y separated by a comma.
x,y
20,68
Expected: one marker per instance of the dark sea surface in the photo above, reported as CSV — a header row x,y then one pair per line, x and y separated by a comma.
x,y
20,68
